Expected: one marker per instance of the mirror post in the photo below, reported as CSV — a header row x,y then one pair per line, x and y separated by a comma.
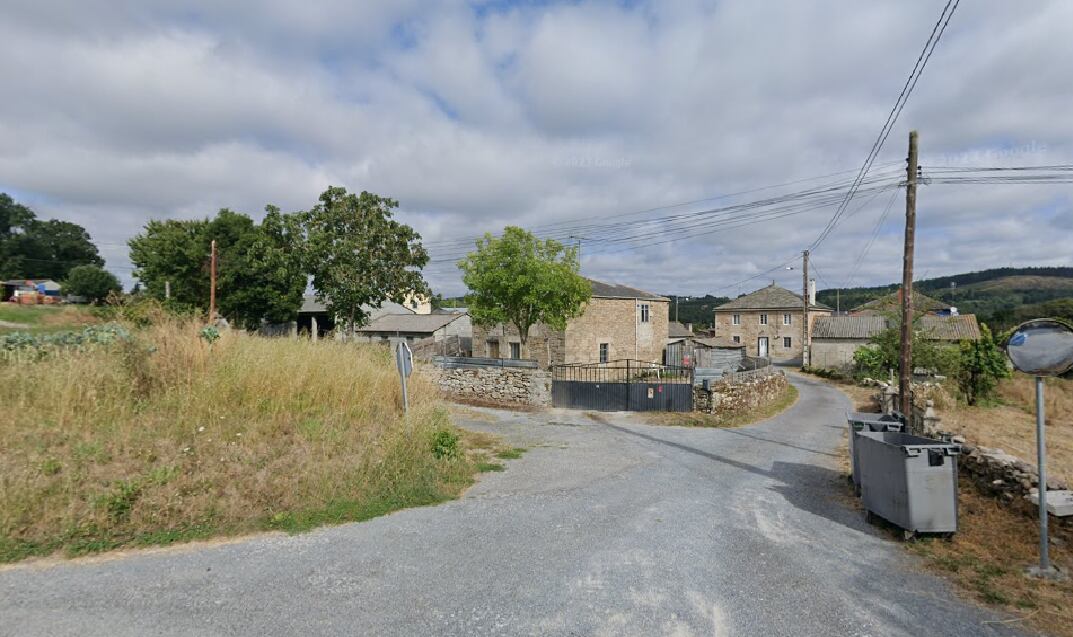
x,y
1041,451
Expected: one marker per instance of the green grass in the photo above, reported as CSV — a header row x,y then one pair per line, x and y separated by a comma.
x,y
43,319
510,454
296,435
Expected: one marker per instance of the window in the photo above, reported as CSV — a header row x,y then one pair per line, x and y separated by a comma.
x,y
763,319
603,352
644,312
787,319
786,342
736,319
515,350
737,339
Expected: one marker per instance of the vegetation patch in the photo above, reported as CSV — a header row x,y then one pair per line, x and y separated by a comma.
x,y
986,559
784,401
165,437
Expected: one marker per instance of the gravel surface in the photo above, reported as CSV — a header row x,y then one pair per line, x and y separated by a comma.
x,y
601,528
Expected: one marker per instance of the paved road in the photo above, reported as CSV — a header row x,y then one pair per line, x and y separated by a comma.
x,y
610,528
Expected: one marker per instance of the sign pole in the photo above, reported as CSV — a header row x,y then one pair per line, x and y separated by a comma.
x,y
1041,452
404,359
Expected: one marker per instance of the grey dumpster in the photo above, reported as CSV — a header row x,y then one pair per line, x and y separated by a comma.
x,y
864,421
909,481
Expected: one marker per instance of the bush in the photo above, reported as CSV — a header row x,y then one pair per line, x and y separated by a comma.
x,y
981,366
91,282
445,444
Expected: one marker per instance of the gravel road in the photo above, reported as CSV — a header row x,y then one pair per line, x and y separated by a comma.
x,y
602,528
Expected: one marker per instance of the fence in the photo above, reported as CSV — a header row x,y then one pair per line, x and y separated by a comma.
x,y
717,375
622,385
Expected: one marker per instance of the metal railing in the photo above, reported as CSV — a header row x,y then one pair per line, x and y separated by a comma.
x,y
622,371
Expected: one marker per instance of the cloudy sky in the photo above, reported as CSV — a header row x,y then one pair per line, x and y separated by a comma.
x,y
592,119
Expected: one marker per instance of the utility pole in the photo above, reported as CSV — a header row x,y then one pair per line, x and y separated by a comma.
x,y
167,289
804,313
905,363
212,283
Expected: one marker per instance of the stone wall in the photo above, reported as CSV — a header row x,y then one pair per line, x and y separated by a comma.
x,y
505,385
741,393
992,471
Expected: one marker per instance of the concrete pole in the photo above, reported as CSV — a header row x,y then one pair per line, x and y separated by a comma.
x,y
805,354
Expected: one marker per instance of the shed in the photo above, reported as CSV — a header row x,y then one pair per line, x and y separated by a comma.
x,y
414,327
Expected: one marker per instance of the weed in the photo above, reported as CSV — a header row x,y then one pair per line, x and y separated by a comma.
x,y
512,453
487,467
445,444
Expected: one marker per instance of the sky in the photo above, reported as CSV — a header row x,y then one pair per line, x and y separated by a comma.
x,y
605,124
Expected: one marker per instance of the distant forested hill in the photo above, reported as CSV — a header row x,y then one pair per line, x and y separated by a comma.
x,y
697,310
1000,297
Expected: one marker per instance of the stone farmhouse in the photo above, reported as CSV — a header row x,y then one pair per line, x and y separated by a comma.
x,y
617,322
767,322
836,338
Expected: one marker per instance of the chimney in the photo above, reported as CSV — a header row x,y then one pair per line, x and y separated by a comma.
x,y
812,292
689,327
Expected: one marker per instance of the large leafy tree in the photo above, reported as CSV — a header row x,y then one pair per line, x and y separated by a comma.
x,y
265,278
91,282
522,280
883,353
359,255
259,266
33,248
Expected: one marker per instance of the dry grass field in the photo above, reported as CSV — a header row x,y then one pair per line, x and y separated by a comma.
x,y
165,437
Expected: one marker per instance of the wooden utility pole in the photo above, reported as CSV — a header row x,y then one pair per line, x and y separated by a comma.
x,y
905,363
212,283
804,314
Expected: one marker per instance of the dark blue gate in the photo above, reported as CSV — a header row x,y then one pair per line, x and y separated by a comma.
x,y
622,385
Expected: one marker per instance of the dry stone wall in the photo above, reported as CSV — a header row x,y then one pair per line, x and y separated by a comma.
x,y
506,385
735,396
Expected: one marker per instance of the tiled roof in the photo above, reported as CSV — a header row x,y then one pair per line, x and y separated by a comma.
x,y
310,305
950,328
616,291
677,330
893,302
848,326
939,328
410,323
772,297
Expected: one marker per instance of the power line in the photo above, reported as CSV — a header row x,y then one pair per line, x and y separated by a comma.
x,y
892,118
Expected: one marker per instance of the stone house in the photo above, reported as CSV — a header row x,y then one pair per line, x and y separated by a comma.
x,y
767,322
836,338
617,322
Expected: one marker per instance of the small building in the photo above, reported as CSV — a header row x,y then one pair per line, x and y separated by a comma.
x,y
767,322
390,328
314,319
836,338
15,288
617,322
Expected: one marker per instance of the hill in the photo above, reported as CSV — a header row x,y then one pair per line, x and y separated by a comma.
x,y
1000,297
697,310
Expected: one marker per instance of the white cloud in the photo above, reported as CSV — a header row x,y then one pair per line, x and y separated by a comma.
x,y
479,115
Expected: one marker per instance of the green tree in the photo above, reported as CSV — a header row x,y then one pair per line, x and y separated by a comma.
x,y
32,248
883,354
91,282
522,280
359,255
265,277
982,364
259,267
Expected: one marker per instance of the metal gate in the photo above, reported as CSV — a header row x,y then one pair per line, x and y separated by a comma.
x,y
622,385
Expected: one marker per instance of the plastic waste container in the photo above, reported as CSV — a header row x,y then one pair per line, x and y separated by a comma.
x,y
863,421
909,480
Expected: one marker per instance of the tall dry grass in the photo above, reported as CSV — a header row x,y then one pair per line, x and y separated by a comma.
x,y
165,437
